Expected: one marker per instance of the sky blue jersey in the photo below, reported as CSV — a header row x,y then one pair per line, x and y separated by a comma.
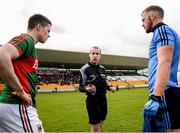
x,y
163,35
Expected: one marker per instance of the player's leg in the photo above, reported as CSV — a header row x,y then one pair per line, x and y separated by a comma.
x,y
168,116
35,123
173,103
10,119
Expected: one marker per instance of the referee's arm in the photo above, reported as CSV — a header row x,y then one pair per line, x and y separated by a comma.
x,y
82,82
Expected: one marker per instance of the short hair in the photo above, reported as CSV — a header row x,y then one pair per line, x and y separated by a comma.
x,y
156,8
95,47
38,19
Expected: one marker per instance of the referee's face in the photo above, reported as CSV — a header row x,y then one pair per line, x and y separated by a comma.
x,y
95,55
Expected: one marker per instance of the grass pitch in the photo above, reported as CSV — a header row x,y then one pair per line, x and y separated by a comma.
x,y
66,112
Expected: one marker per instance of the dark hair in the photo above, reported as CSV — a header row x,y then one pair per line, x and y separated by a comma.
x,y
95,47
38,19
155,8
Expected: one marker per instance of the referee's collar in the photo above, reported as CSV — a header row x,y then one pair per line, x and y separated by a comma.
x,y
156,26
94,65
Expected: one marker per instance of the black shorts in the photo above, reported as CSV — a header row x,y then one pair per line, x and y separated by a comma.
x,y
97,108
172,96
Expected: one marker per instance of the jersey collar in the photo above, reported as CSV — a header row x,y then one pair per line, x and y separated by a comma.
x,y
156,26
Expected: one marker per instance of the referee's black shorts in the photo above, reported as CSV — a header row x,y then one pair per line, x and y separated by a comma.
x,y
97,108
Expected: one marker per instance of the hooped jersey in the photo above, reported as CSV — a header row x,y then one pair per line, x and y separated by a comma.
x,y
25,67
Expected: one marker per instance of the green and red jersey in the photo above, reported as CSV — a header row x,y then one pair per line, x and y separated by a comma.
x,y
25,67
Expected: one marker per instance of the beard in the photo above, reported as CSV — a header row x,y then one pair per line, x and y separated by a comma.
x,y
41,40
150,25
148,30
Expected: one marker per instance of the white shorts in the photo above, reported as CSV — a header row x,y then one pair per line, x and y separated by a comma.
x,y
19,118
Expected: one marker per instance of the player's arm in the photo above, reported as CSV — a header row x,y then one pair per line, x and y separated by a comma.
x,y
7,53
165,54
162,77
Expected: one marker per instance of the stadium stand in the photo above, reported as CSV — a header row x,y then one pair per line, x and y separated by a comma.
x,y
1,85
59,70
67,80
54,79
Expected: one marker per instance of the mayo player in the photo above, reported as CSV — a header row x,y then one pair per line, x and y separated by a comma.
x,y
18,69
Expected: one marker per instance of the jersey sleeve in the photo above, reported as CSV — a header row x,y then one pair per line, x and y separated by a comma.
x,y
22,45
164,36
82,82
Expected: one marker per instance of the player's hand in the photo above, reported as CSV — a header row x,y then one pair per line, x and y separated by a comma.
x,y
113,89
152,106
25,97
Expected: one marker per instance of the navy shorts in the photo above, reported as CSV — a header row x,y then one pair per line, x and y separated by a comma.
x,y
172,98
168,115
97,108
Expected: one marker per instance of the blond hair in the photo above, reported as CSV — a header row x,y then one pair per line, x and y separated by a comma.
x,y
158,9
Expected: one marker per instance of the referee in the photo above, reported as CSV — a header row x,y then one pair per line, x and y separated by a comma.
x,y
93,83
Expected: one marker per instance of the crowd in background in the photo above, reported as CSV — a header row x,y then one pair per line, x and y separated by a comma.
x,y
67,77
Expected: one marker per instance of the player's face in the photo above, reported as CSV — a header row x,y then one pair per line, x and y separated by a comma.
x,y
147,21
44,33
95,55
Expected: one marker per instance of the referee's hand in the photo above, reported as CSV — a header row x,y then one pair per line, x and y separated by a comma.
x,y
113,89
90,88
